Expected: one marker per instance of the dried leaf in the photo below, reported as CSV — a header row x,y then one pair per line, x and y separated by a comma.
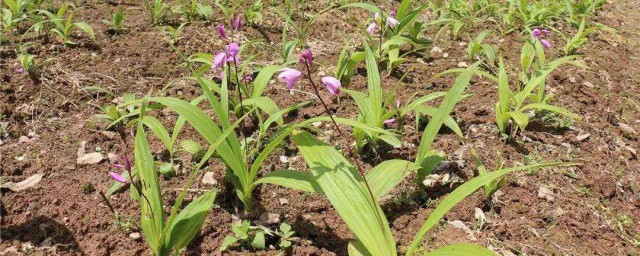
x,y
91,158
25,184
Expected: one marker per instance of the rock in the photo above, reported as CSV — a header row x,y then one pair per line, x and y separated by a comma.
x,y
113,158
109,134
80,151
22,185
91,158
462,44
208,179
270,218
627,131
283,201
435,49
431,180
462,65
572,79
317,124
135,236
588,84
582,136
566,145
479,214
284,159
557,212
24,139
633,151
546,193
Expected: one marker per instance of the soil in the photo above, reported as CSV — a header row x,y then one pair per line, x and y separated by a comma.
x,y
595,208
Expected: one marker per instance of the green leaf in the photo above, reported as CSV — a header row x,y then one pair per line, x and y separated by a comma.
x,y
258,241
462,192
188,222
291,179
374,84
228,241
551,108
461,250
86,28
159,131
347,192
262,79
388,174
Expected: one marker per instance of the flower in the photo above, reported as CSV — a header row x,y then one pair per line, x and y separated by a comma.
x,y
290,76
392,22
221,31
20,71
371,29
537,33
332,84
117,177
248,78
237,24
306,56
398,103
219,60
545,43
392,13
376,15
232,50
389,121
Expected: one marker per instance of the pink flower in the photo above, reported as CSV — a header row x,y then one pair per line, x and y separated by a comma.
x,y
117,177
332,84
221,31
306,56
232,50
393,14
398,103
545,43
389,121
20,71
392,22
237,24
376,15
290,76
219,60
371,29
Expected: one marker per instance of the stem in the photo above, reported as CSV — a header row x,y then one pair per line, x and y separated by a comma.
x,y
351,152
380,41
315,89
239,91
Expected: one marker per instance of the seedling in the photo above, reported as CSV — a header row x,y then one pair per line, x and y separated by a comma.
x,y
116,22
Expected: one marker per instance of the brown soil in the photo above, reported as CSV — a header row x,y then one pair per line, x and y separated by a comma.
x,y
62,215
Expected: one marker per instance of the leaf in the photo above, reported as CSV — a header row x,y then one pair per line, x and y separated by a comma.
x,y
91,158
25,184
188,222
551,108
462,192
228,241
461,250
291,179
262,79
388,174
86,28
447,104
258,241
159,131
347,192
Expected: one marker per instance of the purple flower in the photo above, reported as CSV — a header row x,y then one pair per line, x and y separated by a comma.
x,y
545,43
248,78
232,50
117,177
219,60
398,103
392,22
392,13
290,76
371,29
20,71
306,56
332,84
389,121
237,24
221,31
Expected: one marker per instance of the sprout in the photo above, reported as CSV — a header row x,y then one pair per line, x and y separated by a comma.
x,y
332,84
290,76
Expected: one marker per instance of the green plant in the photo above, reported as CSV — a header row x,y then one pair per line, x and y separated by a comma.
x,y
286,234
158,11
305,22
62,27
172,35
513,105
253,14
243,232
355,196
117,20
13,14
493,186
481,51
